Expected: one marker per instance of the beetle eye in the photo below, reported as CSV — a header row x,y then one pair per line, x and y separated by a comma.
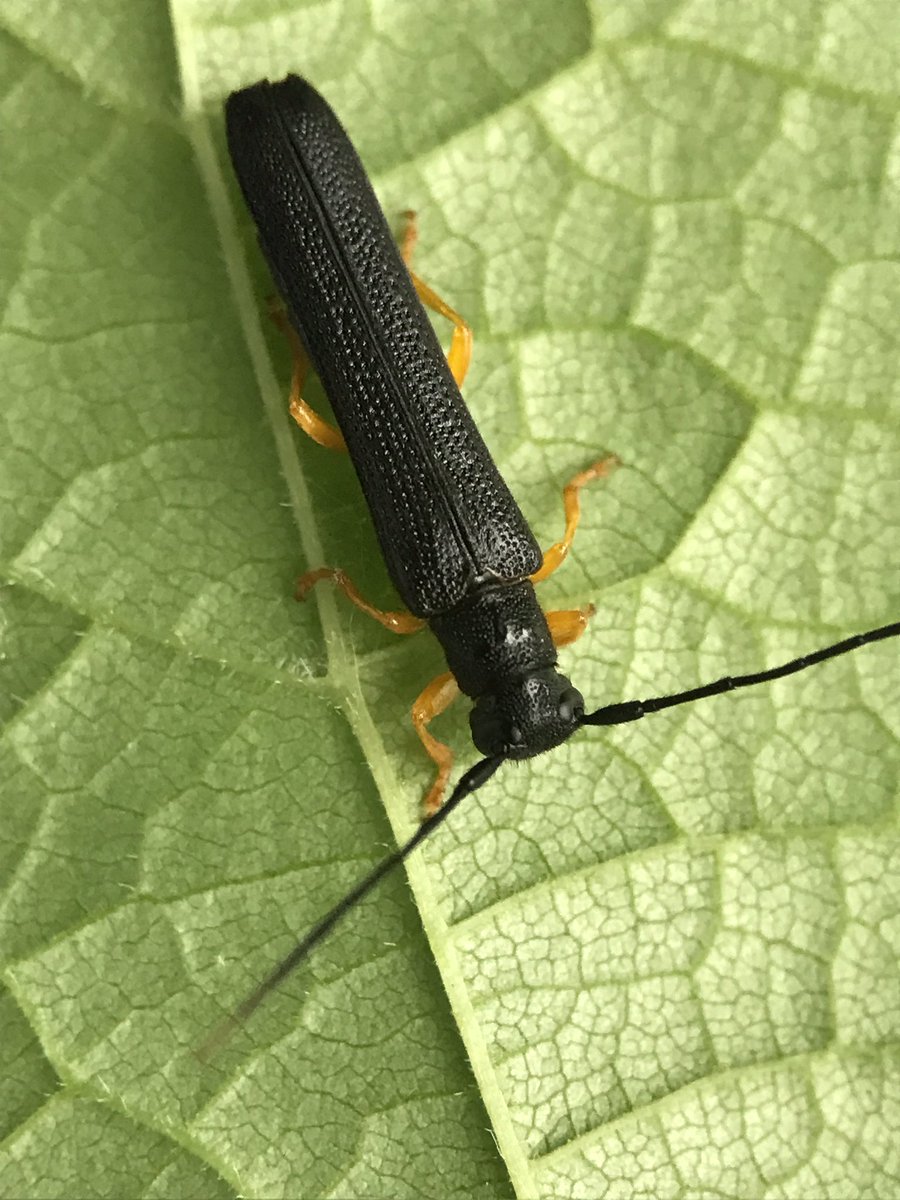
x,y
515,735
571,705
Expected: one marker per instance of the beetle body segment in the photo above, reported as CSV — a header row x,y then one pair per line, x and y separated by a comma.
x,y
444,517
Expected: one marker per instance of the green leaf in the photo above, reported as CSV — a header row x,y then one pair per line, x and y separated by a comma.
x,y
661,962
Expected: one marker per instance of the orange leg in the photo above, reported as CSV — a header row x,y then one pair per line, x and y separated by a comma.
x,y
432,701
307,418
568,624
409,236
460,354
556,555
397,622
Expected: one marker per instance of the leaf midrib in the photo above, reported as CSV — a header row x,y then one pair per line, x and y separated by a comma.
x,y
342,669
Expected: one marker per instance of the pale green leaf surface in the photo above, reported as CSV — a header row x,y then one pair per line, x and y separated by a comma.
x,y
669,952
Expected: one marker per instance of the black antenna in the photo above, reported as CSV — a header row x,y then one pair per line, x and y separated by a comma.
x,y
473,779
633,710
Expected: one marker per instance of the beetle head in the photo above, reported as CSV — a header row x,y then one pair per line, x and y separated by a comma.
x,y
527,717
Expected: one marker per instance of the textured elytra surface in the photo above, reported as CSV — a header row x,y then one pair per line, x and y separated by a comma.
x,y
441,510
670,951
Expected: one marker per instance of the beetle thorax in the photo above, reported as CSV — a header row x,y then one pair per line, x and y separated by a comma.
x,y
497,635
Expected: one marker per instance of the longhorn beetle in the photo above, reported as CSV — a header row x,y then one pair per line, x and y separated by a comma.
x,y
456,545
